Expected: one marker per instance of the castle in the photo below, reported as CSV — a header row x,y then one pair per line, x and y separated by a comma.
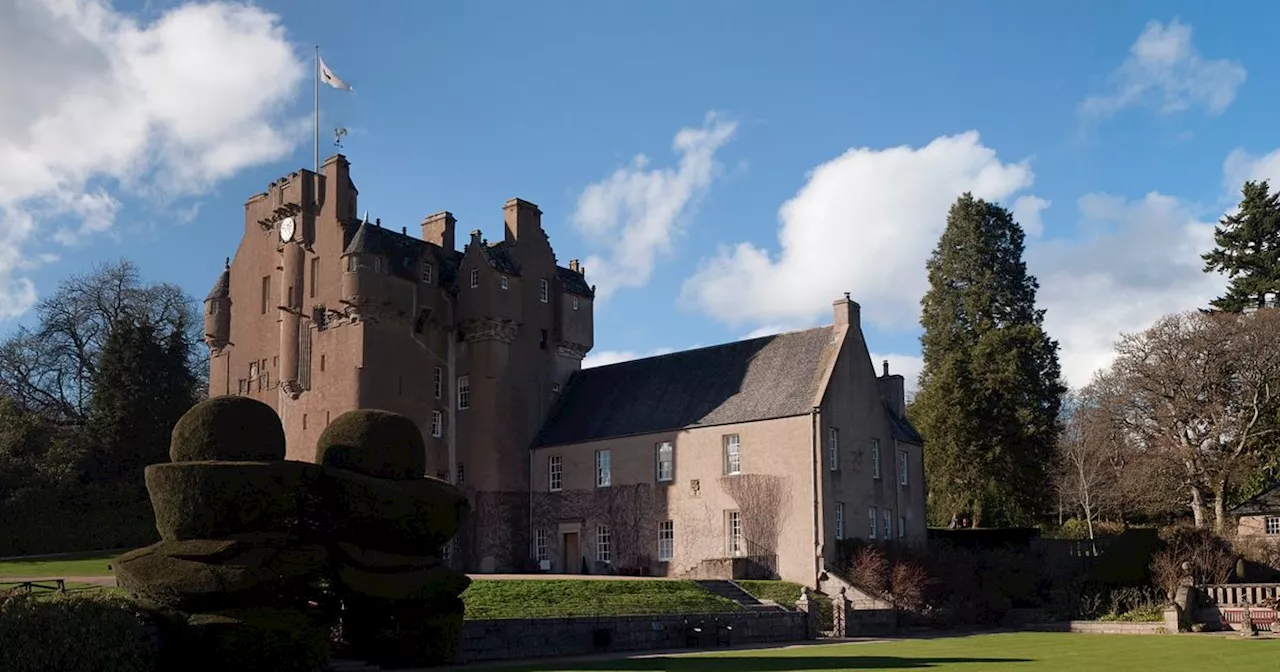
x,y
320,312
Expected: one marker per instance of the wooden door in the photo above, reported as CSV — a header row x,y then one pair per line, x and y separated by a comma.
x,y
572,556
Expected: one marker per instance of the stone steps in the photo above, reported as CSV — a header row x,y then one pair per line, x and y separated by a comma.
x,y
732,591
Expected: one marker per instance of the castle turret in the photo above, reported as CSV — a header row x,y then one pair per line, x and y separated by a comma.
x,y
359,265
217,311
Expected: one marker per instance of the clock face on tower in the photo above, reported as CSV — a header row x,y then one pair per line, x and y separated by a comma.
x,y
286,229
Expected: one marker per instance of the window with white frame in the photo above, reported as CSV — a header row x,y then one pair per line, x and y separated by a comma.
x,y
733,532
437,424
665,457
540,544
604,475
464,392
666,541
575,303
833,448
503,282
1273,525
437,382
839,520
475,278
555,473
874,522
902,467
604,544
543,290
875,458
426,273
888,524
732,454
902,526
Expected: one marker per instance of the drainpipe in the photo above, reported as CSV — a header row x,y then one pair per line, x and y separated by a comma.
x,y
897,493
817,466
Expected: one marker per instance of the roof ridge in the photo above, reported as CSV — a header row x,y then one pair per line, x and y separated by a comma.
x,y
713,346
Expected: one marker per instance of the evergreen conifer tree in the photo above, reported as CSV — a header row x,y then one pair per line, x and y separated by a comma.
x,y
1247,249
991,389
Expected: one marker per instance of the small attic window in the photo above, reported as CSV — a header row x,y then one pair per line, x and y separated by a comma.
x,y
475,278
502,281
542,291
426,273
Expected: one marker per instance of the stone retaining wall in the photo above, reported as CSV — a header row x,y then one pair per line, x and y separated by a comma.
x,y
509,639
1102,627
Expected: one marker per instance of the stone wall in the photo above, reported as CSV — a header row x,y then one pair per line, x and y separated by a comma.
x,y
512,639
1102,627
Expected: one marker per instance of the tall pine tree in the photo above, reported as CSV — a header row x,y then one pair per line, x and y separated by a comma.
x,y
991,389
1247,249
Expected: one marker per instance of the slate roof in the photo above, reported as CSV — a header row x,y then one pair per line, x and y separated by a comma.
x,y
499,256
574,283
221,288
757,379
902,428
403,252
1265,503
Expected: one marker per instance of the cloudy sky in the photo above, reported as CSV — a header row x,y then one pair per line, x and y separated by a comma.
x,y
724,169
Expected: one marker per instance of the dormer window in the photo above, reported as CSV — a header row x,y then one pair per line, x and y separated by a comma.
x,y
502,281
542,291
427,273
475,278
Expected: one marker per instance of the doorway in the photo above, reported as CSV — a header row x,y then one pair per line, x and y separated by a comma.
x,y
572,556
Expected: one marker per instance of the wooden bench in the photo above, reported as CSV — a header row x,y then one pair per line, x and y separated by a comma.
x,y
59,585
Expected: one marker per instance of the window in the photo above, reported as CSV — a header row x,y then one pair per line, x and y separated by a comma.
x,y
575,303
603,542
315,275
902,526
875,458
839,520
464,392
833,448
888,524
437,382
266,294
461,475
540,545
427,272
502,281
733,533
732,454
555,473
666,462
475,278
603,474
1273,525
871,516
666,541
902,467
437,423
321,363
542,290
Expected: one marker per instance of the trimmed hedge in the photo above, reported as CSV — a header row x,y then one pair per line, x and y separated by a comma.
x,y
411,517
254,640
213,500
75,632
376,443
228,428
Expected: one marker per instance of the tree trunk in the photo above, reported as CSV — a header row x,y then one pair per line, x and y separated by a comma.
x,y
1219,505
1197,506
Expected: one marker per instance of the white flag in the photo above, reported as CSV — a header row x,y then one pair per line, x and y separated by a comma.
x,y
327,76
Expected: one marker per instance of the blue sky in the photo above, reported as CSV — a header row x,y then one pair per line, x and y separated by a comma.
x,y
819,145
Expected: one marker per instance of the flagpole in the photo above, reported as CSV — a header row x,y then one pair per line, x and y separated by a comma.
x,y
317,114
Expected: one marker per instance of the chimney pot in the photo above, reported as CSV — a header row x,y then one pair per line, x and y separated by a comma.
x,y
573,265
886,367
378,222
404,230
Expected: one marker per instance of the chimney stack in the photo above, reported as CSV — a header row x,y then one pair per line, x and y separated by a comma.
x,y
847,312
573,265
521,218
439,229
886,367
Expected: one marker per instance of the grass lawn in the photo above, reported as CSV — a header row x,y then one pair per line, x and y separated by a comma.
x,y
784,593
550,598
1017,652
83,565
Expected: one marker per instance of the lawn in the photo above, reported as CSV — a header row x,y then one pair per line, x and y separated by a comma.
x,y
551,598
1016,652
89,564
784,593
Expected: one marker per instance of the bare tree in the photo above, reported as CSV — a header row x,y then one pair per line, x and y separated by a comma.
x,y
52,369
1084,470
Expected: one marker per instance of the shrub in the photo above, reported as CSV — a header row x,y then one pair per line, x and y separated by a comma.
x,y
230,428
74,632
1209,558
376,443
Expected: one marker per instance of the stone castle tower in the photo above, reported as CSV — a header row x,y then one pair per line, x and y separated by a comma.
x,y
319,313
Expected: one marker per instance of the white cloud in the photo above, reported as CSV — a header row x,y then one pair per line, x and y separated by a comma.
x,y
636,213
1026,210
864,223
1166,70
607,357
111,105
1241,166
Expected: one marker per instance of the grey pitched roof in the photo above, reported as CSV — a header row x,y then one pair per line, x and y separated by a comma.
x,y
221,288
574,283
902,428
1265,503
403,252
757,379
500,257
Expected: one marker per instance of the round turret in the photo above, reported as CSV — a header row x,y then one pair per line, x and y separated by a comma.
x,y
217,311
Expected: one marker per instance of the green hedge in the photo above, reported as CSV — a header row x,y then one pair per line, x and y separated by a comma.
x,y
43,523
75,632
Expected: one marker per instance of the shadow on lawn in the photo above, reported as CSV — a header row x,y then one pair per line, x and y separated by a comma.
x,y
772,663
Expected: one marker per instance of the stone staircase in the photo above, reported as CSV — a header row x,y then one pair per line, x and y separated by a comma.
x,y
732,591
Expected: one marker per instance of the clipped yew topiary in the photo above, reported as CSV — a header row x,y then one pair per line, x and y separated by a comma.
x,y
213,500
421,585
410,517
258,639
376,443
229,428
75,632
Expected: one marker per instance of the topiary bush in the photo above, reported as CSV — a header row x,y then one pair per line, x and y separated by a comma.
x,y
229,428
376,443
255,640
76,632
410,517
212,500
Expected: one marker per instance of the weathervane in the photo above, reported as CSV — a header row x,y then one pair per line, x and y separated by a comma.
x,y
337,136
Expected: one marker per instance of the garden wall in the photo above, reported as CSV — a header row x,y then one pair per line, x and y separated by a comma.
x,y
511,639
